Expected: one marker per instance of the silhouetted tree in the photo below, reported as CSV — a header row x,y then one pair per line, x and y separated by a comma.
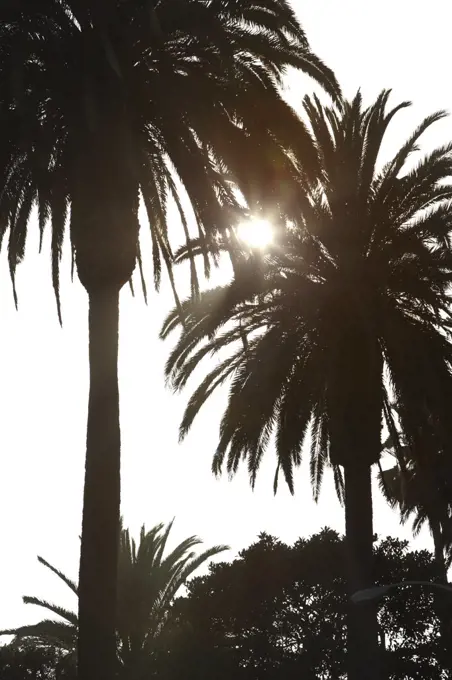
x,y
148,580
101,102
28,662
354,290
279,612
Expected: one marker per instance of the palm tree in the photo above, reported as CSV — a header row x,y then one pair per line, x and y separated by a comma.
x,y
424,494
421,488
345,312
104,102
148,581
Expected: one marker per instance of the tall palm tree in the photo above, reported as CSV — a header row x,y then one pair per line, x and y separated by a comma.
x,y
148,581
101,103
344,312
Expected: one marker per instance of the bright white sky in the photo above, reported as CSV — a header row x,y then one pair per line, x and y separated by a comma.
x,y
403,44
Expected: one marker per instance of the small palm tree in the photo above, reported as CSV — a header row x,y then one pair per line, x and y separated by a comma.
x,y
148,581
104,102
424,495
347,309
422,488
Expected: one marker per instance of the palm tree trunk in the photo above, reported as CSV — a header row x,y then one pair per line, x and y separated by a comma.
x,y
363,655
101,501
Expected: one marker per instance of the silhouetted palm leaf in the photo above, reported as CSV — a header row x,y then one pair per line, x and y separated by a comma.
x,y
46,633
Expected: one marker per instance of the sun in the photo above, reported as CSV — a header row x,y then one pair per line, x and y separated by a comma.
x,y
256,233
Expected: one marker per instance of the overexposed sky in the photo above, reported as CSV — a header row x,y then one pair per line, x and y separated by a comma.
x,y
402,44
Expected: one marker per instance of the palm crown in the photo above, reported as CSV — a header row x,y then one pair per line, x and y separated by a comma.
x,y
148,580
349,305
103,100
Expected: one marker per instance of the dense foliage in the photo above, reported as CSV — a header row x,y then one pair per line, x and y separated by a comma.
x,y
276,612
28,662
279,611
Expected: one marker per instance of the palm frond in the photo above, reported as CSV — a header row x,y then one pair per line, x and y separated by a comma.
x,y
69,616
69,582
46,632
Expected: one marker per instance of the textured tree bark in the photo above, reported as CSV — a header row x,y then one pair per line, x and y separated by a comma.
x,y
363,652
101,501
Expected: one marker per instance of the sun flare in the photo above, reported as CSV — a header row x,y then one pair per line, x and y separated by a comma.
x,y
256,233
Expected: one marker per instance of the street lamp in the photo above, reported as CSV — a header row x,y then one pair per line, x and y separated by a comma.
x,y
377,592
